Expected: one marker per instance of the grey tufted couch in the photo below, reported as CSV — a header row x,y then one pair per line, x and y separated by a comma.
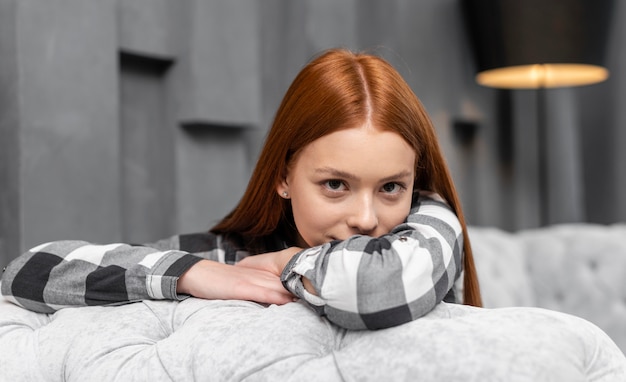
x,y
574,268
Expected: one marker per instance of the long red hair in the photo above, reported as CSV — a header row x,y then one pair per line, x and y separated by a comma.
x,y
341,89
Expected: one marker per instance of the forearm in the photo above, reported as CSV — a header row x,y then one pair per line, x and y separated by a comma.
x,y
366,282
76,273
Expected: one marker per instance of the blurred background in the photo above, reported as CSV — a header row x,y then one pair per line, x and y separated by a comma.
x,y
132,120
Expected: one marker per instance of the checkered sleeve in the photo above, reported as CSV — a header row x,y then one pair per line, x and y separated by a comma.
x,y
373,283
76,273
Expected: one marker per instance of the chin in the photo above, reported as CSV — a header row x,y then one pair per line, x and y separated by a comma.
x,y
320,241
331,239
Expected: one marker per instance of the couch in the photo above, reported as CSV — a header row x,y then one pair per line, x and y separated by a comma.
x,y
576,269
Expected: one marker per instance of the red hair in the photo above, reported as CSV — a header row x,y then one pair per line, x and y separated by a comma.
x,y
341,89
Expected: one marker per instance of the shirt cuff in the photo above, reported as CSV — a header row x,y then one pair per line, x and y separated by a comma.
x,y
302,264
161,281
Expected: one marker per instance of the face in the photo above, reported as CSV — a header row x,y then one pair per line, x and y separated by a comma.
x,y
353,181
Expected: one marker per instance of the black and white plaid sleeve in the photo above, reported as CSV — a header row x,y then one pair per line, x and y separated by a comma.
x,y
373,283
76,273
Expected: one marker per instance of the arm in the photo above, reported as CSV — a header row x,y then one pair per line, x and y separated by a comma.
x,y
371,283
76,273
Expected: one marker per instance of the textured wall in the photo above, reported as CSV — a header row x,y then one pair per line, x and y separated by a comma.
x,y
68,128
10,212
163,141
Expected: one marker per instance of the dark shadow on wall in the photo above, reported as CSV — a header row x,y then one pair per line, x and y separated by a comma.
x,y
147,150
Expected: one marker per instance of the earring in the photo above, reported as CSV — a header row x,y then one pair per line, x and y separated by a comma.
x,y
285,194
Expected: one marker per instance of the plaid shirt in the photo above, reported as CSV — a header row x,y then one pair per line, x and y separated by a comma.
x,y
361,282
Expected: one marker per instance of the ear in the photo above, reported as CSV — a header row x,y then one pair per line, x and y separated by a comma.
x,y
282,188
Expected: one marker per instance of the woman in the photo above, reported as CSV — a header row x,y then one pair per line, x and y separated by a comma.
x,y
351,207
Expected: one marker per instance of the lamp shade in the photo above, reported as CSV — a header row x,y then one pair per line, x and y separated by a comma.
x,y
538,43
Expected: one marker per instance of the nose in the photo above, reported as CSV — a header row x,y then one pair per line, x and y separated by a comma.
x,y
363,219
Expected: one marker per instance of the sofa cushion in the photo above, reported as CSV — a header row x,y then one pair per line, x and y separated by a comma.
x,y
581,269
578,269
502,268
237,340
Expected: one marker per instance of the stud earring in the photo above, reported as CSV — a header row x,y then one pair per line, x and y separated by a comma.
x,y
285,194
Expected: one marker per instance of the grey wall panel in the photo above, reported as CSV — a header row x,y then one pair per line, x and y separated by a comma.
x,y
67,54
221,72
212,173
10,211
148,181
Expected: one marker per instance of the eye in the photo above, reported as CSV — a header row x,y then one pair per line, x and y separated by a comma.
x,y
392,188
334,185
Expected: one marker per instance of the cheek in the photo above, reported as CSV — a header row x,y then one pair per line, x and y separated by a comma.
x,y
312,220
391,217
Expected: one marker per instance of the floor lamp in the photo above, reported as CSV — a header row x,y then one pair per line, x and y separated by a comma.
x,y
538,44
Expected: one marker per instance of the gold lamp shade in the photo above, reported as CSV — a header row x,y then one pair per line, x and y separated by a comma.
x,y
529,44
542,76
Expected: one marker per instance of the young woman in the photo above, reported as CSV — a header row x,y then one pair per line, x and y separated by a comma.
x,y
351,208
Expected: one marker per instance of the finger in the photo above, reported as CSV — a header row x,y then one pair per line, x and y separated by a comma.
x,y
270,296
269,282
265,288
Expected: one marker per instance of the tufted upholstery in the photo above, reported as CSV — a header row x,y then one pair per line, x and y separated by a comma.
x,y
198,340
569,268
573,268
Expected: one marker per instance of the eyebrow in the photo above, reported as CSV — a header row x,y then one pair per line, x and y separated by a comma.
x,y
349,176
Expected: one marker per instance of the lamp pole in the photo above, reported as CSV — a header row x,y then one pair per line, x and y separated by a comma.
x,y
543,178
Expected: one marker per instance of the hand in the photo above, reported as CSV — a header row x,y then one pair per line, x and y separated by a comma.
x,y
216,281
273,262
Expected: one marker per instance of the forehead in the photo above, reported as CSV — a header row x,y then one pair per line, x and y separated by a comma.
x,y
363,149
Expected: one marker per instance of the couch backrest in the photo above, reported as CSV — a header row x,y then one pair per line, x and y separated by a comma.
x,y
578,269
